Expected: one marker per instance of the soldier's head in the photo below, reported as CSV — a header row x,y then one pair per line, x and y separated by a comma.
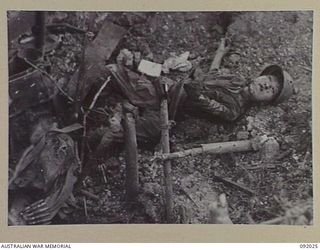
x,y
272,86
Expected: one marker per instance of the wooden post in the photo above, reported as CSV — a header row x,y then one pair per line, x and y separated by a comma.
x,y
167,164
132,179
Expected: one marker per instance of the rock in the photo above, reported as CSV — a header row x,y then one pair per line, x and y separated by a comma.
x,y
242,135
270,149
165,27
224,71
250,121
234,58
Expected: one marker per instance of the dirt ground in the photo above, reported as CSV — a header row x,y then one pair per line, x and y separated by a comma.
x,y
282,189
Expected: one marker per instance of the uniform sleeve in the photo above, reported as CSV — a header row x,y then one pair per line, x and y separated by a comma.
x,y
211,107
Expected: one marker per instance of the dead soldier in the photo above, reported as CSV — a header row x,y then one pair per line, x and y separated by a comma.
x,y
213,96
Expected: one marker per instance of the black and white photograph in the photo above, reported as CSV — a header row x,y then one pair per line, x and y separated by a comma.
x,y
160,117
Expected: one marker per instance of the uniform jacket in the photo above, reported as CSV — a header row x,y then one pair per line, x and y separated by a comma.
x,y
216,97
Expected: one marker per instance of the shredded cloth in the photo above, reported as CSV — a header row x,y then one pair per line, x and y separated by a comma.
x,y
49,166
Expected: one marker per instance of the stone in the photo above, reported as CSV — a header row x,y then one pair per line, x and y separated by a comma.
x,y
270,149
243,135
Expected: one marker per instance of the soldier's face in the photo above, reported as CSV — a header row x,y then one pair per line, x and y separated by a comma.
x,y
264,88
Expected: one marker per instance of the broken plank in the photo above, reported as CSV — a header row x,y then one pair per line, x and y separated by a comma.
x,y
95,56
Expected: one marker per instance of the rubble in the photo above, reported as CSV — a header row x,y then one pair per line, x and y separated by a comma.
x,y
243,135
234,58
270,149
179,63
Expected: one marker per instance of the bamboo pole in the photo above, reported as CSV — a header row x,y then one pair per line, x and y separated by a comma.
x,y
132,179
220,52
167,164
212,148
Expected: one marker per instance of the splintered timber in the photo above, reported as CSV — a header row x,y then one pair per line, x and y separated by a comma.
x,y
49,245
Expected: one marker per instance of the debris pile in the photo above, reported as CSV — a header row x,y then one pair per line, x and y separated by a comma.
x,y
68,164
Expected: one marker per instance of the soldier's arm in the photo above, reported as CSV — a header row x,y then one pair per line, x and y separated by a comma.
x,y
209,106
215,109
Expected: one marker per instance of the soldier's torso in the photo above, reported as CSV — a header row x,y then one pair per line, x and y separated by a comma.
x,y
224,89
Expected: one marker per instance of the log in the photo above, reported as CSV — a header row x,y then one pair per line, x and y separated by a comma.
x,y
212,148
167,164
132,179
220,52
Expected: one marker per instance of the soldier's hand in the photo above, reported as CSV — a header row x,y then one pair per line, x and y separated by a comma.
x,y
37,213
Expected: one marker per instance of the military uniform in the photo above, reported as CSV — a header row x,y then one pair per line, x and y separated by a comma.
x,y
215,97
